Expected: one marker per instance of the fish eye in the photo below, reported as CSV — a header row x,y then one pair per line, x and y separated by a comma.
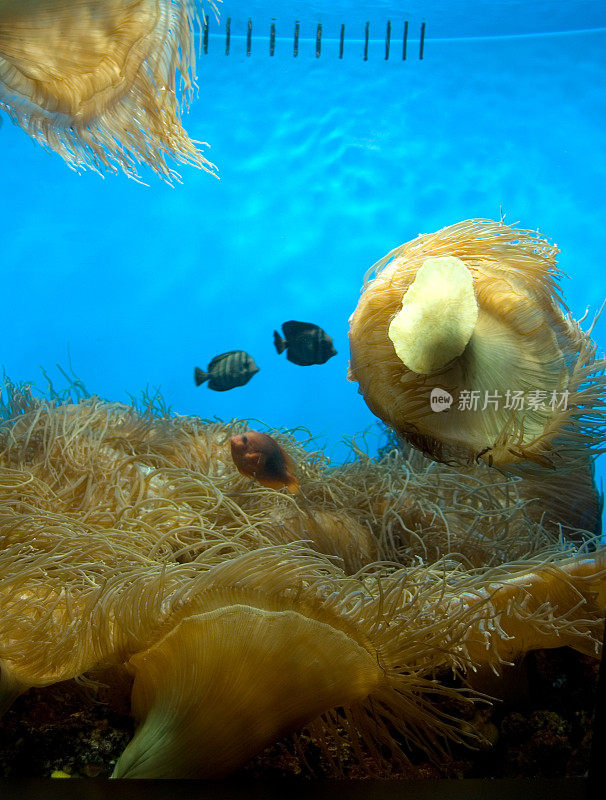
x,y
244,438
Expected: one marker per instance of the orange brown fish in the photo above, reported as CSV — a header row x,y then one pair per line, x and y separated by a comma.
x,y
258,456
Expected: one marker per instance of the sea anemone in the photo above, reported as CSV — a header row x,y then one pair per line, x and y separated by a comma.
x,y
469,322
131,544
255,654
95,80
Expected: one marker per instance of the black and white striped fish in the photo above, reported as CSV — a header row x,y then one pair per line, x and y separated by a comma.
x,y
227,371
305,343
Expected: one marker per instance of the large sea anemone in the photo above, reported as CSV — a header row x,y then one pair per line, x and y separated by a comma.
x,y
100,81
475,311
462,343
350,616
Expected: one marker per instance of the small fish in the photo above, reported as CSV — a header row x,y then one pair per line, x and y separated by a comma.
x,y
258,456
227,371
305,343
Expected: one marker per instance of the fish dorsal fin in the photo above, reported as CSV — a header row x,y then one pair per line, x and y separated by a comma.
x,y
218,359
295,328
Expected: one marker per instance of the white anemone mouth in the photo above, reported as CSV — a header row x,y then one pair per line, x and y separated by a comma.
x,y
438,316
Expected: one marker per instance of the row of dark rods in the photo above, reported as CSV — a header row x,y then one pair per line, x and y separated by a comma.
x,y
272,39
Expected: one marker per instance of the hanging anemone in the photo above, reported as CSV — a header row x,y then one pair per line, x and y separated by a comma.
x,y
96,80
469,322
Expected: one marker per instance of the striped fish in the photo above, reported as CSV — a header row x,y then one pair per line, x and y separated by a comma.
x,y
305,343
228,370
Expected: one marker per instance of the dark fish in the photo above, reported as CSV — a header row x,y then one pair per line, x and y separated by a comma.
x,y
305,343
258,456
227,371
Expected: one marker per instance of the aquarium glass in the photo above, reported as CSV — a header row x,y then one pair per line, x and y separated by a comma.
x,y
339,131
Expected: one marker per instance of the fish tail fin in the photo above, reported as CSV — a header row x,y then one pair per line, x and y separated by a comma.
x,y
200,376
292,484
279,342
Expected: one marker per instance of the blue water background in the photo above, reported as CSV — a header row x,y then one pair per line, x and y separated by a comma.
x,y
325,165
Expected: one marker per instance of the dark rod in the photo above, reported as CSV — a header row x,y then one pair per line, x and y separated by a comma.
x,y
387,39
404,40
205,35
248,36
319,40
227,35
422,42
366,37
342,41
272,39
296,45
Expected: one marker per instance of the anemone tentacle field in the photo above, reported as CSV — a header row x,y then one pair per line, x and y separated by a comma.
x,y
133,550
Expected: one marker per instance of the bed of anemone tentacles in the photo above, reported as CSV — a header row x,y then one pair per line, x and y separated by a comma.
x,y
360,618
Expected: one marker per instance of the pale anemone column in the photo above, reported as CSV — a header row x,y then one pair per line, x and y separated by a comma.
x,y
461,342
97,81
